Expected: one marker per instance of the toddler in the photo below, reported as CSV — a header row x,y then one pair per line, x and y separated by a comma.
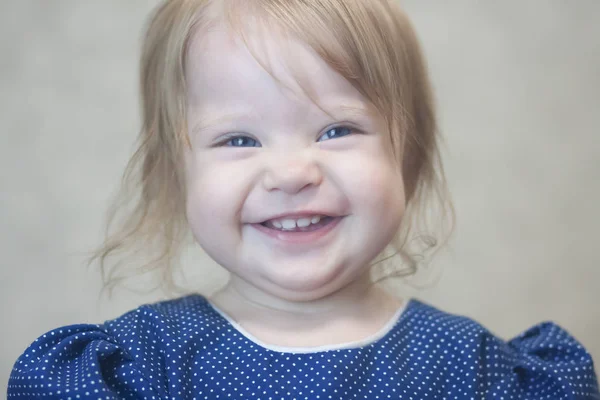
x,y
296,140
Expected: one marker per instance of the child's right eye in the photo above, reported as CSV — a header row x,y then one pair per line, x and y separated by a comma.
x,y
239,141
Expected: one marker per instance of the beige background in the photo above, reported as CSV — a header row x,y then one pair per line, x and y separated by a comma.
x,y
518,84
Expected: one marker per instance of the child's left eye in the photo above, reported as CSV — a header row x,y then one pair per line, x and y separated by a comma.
x,y
336,132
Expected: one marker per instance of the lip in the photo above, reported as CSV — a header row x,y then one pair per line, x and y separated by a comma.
x,y
299,237
300,214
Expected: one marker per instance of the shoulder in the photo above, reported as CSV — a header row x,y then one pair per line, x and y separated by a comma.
x,y
152,330
171,315
117,358
71,360
544,361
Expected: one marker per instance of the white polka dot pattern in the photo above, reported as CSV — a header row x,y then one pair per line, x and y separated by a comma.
x,y
184,349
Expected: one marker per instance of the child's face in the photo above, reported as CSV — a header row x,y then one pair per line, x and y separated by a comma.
x,y
287,158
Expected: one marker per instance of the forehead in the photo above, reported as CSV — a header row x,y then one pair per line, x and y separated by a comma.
x,y
224,66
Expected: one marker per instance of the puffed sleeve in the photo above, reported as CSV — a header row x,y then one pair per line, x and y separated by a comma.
x,y
546,362
78,362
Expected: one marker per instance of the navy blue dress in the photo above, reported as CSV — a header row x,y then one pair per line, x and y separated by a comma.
x,y
186,349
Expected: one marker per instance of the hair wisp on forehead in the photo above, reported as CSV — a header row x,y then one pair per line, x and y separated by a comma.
x,y
369,42
348,35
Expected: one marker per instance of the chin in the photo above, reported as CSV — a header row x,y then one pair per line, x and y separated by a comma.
x,y
307,287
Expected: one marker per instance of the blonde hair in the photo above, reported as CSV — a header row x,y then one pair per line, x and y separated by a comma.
x,y
369,42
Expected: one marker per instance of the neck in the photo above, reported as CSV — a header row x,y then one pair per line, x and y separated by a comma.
x,y
348,297
352,313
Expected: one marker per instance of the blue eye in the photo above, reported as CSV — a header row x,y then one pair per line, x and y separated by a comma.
x,y
246,141
241,141
338,131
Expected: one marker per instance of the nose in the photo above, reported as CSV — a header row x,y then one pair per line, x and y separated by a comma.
x,y
291,173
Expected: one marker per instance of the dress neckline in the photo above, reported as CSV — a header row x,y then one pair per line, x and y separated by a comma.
x,y
372,339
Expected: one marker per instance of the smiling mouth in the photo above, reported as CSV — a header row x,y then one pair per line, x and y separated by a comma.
x,y
314,225
313,234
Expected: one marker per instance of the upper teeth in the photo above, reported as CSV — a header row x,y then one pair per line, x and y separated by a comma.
x,y
293,223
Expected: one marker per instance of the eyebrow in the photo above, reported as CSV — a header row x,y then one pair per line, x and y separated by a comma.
x,y
362,110
203,123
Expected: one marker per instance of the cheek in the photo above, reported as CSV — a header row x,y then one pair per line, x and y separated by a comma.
x,y
375,182
213,201
383,202
214,197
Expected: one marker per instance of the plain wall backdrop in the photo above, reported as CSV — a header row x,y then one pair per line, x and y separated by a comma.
x,y
518,88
